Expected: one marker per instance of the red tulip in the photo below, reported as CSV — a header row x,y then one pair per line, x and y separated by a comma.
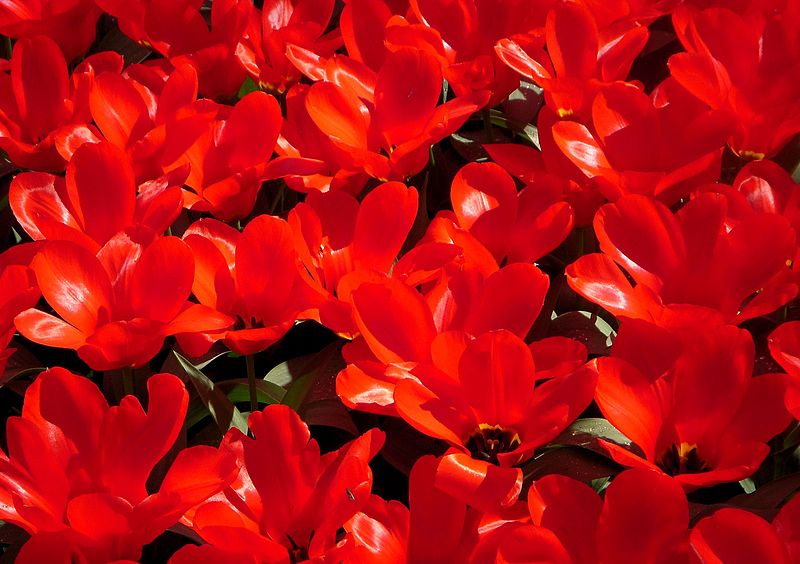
x,y
388,129
76,471
335,235
518,226
303,23
581,56
116,308
37,101
784,344
744,64
253,276
70,24
288,502
644,517
689,401
663,145
491,411
691,257
228,159
18,292
99,178
402,329
738,537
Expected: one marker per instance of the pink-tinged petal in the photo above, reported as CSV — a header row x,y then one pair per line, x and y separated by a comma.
x,y
645,518
629,402
338,114
738,537
394,320
436,518
598,278
384,220
484,486
41,85
496,373
266,267
134,441
578,144
74,283
511,298
406,91
250,132
102,189
571,510
162,279
643,236
118,110
47,330
283,463
449,418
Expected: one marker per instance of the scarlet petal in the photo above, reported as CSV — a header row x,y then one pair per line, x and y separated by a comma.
x,y
484,486
43,328
572,40
643,236
34,197
532,544
134,441
598,278
645,517
629,402
74,283
436,520
406,91
571,510
580,146
394,320
119,110
511,299
162,280
337,114
100,178
497,376
362,25
376,241
736,536
41,85
266,242
787,525
250,131
283,465
784,344
450,418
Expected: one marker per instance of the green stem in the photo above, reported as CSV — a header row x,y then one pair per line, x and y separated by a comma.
x,y
251,382
127,381
487,125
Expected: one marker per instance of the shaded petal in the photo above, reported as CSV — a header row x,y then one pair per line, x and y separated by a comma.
x,y
736,536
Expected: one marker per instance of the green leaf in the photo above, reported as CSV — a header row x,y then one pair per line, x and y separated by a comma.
x,y
247,87
305,372
222,410
266,392
584,432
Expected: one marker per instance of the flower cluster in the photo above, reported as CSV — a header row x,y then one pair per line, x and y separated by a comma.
x,y
513,280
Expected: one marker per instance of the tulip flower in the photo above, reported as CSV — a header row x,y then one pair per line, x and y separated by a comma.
x,y
288,502
116,307
76,470
688,399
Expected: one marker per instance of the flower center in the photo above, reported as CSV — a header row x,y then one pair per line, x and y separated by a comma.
x,y
682,459
490,440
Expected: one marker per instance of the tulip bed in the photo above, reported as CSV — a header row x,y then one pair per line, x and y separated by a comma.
x,y
400,281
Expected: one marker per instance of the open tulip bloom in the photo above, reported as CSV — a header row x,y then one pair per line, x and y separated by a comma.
x,y
400,281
